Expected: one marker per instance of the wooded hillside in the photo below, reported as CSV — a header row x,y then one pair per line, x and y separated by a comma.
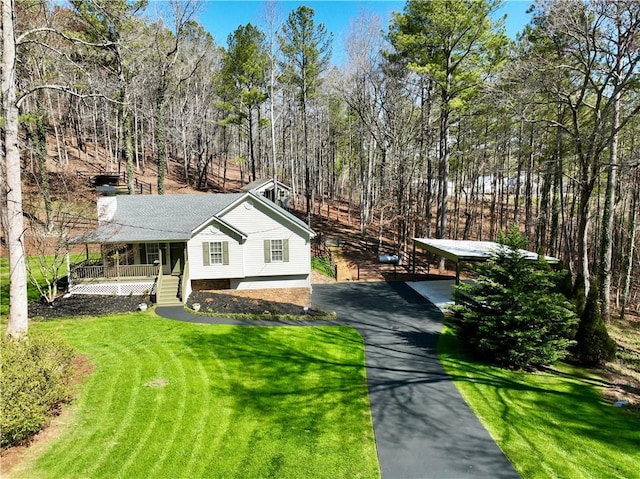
x,y
438,125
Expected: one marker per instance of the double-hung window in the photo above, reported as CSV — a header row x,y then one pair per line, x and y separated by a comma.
x,y
276,251
216,253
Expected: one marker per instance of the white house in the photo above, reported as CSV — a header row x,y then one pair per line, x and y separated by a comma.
x,y
277,192
173,244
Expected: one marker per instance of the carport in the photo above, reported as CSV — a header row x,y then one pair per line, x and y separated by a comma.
x,y
460,251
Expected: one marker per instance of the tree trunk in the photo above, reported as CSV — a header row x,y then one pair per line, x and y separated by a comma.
x,y
11,186
584,221
160,138
443,172
628,263
252,153
307,178
606,243
127,136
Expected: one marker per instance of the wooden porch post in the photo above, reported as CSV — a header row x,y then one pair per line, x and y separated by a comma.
x,y
68,271
117,255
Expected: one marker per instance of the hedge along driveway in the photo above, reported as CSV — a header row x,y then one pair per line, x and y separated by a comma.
x,y
171,399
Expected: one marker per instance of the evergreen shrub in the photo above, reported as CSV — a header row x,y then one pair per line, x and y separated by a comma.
x,y
513,314
34,381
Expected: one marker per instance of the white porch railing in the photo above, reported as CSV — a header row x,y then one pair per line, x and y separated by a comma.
x,y
114,272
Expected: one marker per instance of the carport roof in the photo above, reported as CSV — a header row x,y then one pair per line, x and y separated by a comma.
x,y
468,250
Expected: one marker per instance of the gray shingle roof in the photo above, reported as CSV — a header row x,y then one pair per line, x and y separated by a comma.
x,y
158,217
257,184
154,218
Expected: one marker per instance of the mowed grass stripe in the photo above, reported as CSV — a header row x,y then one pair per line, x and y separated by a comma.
x,y
220,417
180,418
205,421
241,402
159,432
123,409
110,381
154,390
145,363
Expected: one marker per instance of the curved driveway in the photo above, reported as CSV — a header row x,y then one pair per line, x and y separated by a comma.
x,y
423,427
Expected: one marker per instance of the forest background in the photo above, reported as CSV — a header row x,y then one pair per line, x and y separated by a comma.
x,y
436,125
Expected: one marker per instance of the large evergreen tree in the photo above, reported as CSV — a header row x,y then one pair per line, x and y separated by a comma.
x,y
512,313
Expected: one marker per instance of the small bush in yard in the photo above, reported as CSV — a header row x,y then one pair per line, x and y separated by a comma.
x,y
34,381
513,314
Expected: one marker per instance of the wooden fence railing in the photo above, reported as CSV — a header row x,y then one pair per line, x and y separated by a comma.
x,y
141,187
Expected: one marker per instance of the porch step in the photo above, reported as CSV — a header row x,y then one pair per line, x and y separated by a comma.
x,y
168,294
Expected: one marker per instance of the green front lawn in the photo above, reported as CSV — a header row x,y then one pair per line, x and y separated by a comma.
x,y
177,400
32,291
552,424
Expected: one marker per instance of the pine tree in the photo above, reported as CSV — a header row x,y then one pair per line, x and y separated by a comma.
x,y
513,314
453,44
306,48
244,80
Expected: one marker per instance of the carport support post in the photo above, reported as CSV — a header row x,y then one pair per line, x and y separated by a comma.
x,y
414,260
458,272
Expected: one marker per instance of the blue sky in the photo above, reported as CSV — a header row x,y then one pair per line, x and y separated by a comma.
x,y
222,17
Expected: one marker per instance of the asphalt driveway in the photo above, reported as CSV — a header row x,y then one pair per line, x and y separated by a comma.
x,y
423,427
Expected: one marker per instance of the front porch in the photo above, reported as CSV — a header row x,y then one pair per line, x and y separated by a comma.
x,y
95,277
142,269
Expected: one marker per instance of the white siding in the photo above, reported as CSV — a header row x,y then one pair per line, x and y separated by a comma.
x,y
247,268
259,224
197,269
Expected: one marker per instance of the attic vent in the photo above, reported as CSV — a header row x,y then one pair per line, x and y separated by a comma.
x,y
248,205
